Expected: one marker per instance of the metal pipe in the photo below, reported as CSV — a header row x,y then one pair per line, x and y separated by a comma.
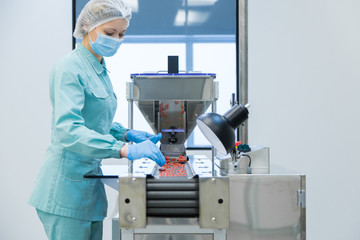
x,y
213,150
172,186
172,195
130,125
172,212
172,204
243,63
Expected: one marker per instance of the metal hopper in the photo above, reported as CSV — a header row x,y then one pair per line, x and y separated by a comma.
x,y
171,104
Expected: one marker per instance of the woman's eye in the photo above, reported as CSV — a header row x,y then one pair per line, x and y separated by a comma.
x,y
109,34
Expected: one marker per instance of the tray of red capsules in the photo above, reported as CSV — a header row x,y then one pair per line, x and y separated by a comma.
x,y
174,167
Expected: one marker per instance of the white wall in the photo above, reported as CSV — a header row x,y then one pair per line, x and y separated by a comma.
x,y
34,35
303,87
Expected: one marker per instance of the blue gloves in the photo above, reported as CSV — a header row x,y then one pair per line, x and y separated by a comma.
x,y
146,149
140,136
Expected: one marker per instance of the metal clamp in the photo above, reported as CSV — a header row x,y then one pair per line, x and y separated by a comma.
x,y
301,198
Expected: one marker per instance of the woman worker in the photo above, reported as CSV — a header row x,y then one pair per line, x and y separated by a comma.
x,y
69,206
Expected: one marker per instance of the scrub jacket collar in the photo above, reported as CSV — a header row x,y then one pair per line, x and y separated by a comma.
x,y
98,67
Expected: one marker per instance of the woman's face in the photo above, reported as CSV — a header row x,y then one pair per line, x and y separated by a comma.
x,y
115,28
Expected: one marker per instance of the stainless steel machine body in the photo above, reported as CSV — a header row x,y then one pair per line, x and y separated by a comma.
x,y
217,198
225,206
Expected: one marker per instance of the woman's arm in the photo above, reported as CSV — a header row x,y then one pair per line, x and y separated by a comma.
x,y
67,93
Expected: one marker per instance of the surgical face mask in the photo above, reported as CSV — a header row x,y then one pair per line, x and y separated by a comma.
x,y
105,45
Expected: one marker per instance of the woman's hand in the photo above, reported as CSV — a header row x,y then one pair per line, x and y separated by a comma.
x,y
140,136
124,151
146,149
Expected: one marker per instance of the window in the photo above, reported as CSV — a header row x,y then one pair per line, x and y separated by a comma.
x,y
201,32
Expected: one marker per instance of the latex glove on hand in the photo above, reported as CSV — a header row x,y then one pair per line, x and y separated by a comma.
x,y
146,149
140,136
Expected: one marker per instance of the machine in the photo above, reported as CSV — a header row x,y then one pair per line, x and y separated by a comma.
x,y
194,197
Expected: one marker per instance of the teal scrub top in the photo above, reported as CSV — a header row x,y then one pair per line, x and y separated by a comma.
x,y
83,133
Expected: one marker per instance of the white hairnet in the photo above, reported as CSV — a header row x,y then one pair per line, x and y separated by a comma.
x,y
97,12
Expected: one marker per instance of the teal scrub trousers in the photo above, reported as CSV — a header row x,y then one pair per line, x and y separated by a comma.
x,y
65,228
